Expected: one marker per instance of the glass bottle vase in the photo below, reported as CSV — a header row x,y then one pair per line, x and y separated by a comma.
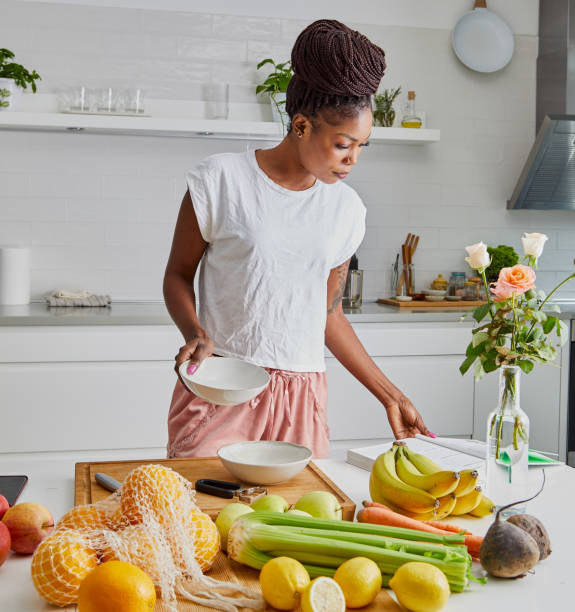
x,y
508,445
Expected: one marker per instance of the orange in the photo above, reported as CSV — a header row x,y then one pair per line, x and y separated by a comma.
x,y
204,540
152,487
139,547
117,586
84,518
60,564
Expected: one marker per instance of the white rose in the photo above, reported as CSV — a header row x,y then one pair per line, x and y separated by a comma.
x,y
533,244
478,256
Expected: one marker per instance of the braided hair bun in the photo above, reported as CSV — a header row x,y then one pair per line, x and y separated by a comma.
x,y
334,66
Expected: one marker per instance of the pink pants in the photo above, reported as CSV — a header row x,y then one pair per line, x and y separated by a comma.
x,y
292,408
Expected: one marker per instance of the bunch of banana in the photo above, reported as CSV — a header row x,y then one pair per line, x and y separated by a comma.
x,y
413,485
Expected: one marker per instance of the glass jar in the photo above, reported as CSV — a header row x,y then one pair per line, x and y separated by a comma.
x,y
410,118
508,445
456,284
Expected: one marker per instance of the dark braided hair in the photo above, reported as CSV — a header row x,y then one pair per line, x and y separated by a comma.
x,y
336,70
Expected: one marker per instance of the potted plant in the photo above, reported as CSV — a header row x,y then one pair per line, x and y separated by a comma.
x,y
383,112
13,75
276,85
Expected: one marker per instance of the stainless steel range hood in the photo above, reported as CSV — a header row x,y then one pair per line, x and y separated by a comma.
x,y
548,177
547,180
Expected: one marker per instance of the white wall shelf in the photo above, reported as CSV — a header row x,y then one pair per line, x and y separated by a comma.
x,y
184,127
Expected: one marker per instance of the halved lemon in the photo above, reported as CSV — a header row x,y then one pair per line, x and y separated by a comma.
x,y
323,595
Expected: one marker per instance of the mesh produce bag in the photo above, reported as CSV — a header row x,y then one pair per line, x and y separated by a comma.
x,y
152,521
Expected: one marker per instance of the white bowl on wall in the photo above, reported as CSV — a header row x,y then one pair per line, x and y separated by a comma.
x,y
225,380
264,462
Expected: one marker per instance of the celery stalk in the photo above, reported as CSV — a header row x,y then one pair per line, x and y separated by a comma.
x,y
322,545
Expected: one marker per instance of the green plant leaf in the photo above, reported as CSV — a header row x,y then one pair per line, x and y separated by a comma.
x,y
549,324
526,365
480,312
467,364
479,338
268,60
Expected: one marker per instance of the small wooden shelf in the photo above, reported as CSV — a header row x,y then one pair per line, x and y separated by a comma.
x,y
183,127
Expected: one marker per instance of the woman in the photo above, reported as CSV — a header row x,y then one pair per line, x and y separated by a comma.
x,y
274,230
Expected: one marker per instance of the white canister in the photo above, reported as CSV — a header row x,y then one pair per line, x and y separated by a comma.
x,y
14,275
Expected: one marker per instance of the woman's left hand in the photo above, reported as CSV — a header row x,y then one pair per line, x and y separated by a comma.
x,y
405,420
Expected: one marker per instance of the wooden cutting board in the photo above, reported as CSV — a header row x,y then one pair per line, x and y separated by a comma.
x,y
87,490
443,304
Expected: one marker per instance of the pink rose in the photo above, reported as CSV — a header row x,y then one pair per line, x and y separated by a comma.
x,y
513,281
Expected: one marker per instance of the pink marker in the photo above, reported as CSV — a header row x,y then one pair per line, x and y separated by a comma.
x,y
432,435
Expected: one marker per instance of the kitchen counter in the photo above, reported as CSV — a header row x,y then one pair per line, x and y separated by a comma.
x,y
155,313
547,588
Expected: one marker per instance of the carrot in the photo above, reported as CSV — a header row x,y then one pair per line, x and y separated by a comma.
x,y
381,514
447,527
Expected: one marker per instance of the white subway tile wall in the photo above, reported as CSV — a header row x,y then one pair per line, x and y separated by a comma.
x,y
98,210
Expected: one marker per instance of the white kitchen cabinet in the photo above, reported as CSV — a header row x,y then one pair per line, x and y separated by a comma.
x,y
80,388
109,387
543,396
422,359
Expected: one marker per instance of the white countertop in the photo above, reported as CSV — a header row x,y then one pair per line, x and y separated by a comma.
x,y
51,483
155,313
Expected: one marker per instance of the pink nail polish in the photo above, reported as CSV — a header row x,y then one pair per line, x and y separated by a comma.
x,y
192,368
432,435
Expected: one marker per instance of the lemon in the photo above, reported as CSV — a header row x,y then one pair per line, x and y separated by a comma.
x,y
420,587
282,581
323,595
360,581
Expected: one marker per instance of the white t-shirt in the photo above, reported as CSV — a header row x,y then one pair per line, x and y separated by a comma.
x,y
263,278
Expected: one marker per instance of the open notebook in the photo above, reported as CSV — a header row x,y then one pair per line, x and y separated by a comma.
x,y
450,453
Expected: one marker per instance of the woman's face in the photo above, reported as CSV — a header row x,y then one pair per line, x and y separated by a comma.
x,y
329,152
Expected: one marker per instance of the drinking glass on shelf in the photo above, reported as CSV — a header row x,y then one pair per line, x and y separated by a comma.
x,y
216,96
76,100
132,101
106,100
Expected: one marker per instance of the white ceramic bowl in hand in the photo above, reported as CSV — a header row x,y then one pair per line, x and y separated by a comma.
x,y
225,380
264,462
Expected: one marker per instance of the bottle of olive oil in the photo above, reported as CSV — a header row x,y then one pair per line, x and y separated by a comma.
x,y
410,118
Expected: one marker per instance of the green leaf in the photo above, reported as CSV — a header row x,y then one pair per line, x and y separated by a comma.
x,y
526,365
538,315
480,312
479,338
467,364
549,324
268,60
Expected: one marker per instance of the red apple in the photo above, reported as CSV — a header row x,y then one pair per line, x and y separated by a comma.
x,y
29,524
4,505
5,542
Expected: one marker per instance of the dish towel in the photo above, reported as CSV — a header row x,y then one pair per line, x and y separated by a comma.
x,y
64,297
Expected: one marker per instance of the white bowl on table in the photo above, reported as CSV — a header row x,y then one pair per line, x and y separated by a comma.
x,y
434,298
225,380
264,462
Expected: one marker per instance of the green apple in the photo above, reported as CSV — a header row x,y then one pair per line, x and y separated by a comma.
x,y
227,515
298,512
270,503
321,504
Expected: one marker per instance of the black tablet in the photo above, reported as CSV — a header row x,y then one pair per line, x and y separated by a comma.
x,y
11,487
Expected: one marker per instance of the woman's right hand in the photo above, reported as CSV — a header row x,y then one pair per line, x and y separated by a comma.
x,y
198,346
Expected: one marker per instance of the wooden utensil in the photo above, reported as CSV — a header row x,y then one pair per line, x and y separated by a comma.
x,y
402,278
